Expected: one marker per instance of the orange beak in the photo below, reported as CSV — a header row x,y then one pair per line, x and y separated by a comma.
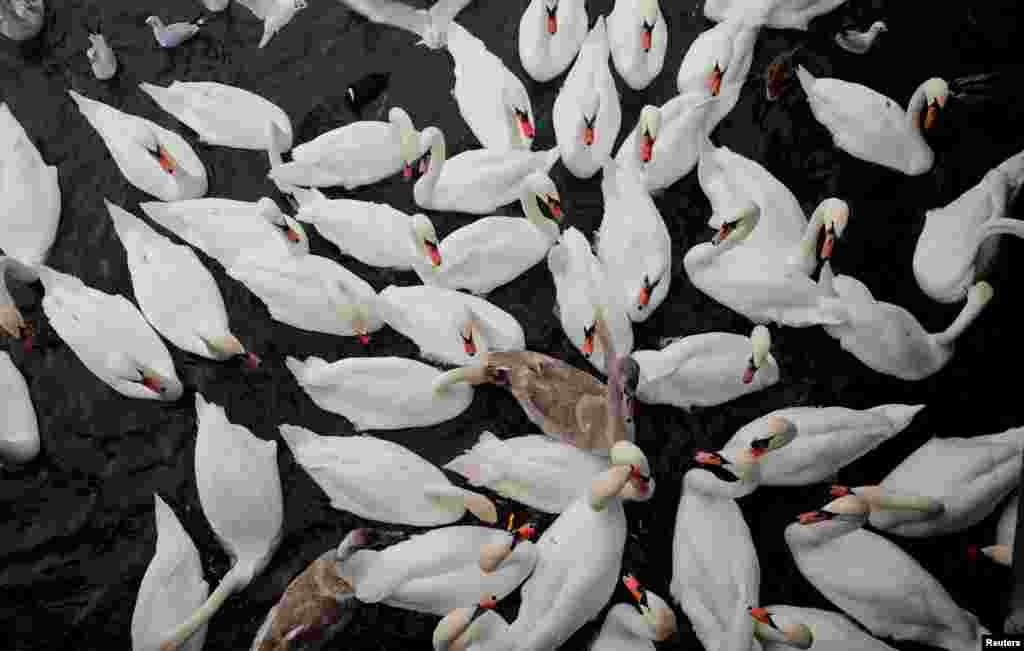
x,y
152,384
252,361
292,235
364,339
552,23
588,136
556,211
839,491
167,161
645,296
435,253
722,234
489,603
930,117
715,81
588,345
708,458
407,171
826,247
760,614
469,345
646,148
645,39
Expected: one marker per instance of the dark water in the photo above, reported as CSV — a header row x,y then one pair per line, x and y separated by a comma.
x,y
77,527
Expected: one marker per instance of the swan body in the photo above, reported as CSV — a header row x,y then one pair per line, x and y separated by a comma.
x,y
830,630
437,571
876,582
172,587
173,35
380,480
777,14
21,20
706,369
960,240
717,64
532,470
550,35
101,57
970,476
566,590
221,114
856,42
629,627
153,159
828,439
665,144
230,231
581,292
275,14
870,126
639,40
431,25
19,436
450,327
30,192
492,100
633,243
216,5
587,114
887,338
108,334
379,392
715,571
175,292
357,154
478,181
240,493
312,293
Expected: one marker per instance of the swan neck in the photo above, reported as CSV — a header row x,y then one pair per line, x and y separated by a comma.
x,y
904,502
469,374
971,311
17,270
186,629
999,226
425,186
814,226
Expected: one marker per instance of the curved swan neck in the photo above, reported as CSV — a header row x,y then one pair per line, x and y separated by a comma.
x,y
17,270
186,629
813,229
424,188
971,311
470,374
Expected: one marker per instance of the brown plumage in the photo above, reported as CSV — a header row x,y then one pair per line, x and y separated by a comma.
x,y
310,605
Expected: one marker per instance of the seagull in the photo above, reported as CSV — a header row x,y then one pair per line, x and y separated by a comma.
x,y
173,35
275,14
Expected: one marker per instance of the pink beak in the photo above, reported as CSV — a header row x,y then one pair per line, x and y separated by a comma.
x,y
252,361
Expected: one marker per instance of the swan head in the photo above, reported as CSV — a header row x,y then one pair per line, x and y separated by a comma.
x,y
980,294
740,226
469,330
518,105
426,239
543,192
936,92
837,214
228,346
879,499
629,477
155,22
779,433
456,630
878,27
647,10
290,228
761,343
360,319
590,105
408,141
132,370
551,16
494,554
647,131
648,284
849,508
794,634
658,614
431,143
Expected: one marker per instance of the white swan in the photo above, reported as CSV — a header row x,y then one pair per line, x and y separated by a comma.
x,y
153,159
566,590
828,438
1006,533
438,571
380,480
19,431
635,627
470,628
665,144
106,332
312,293
587,114
221,114
717,64
706,369
870,126
760,288
959,241
478,181
583,296
876,582
175,292
633,243
101,57
829,630
491,98
240,492
533,469
716,577
550,34
357,154
275,14
380,392
29,194
887,338
21,20
431,25
231,231
777,14
969,476
172,587
450,327
856,42
639,40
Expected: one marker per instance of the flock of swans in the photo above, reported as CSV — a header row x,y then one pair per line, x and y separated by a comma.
x,y
767,261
